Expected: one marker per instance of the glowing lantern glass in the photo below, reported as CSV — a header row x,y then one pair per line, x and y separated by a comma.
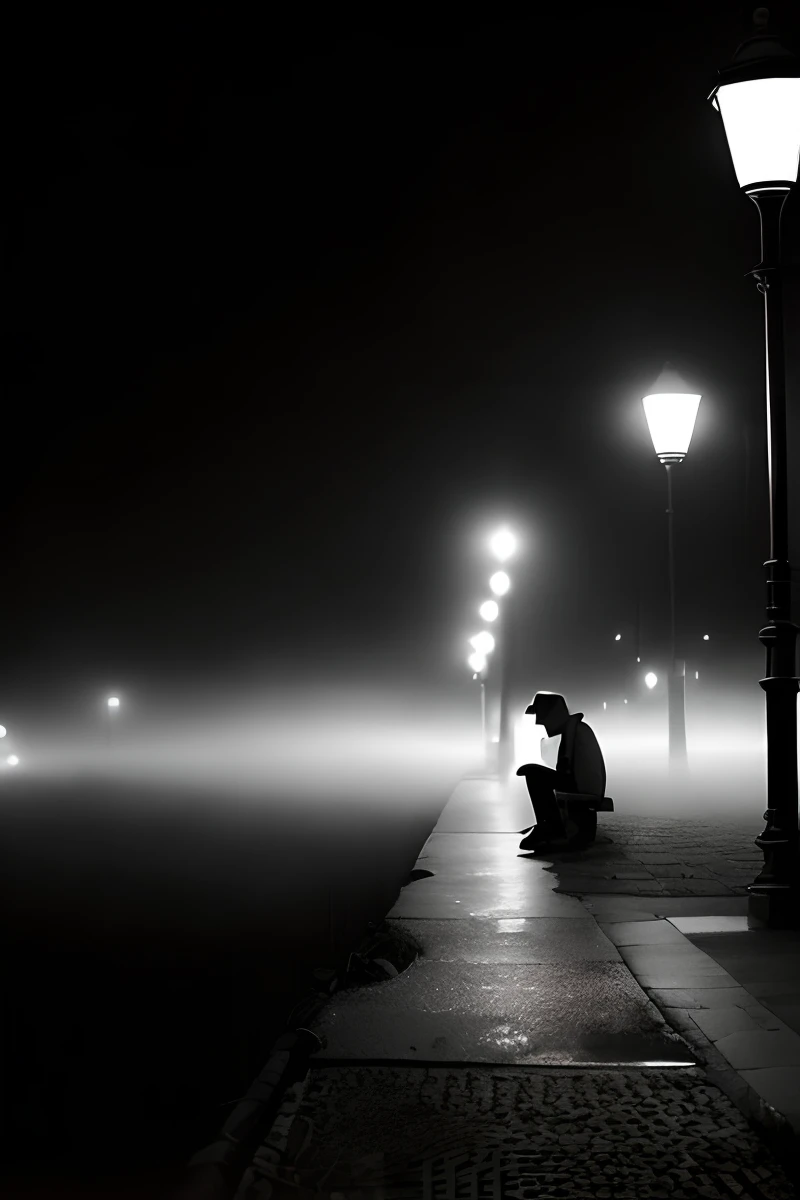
x,y
671,411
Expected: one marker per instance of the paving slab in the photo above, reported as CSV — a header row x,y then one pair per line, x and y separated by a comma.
x,y
481,805
702,997
710,924
717,1023
454,895
642,933
678,979
762,1048
482,875
525,940
670,959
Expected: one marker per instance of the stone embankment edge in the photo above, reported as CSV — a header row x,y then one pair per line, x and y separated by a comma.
x,y
254,1130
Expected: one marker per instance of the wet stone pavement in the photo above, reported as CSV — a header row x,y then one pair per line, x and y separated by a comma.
x,y
665,856
515,1134
520,1057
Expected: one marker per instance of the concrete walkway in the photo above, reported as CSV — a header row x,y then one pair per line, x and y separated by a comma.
x,y
524,1053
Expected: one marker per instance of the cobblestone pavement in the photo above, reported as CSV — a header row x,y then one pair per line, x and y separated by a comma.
x,y
664,856
370,1132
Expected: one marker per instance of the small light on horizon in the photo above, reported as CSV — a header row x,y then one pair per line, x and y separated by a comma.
x,y
651,679
604,706
489,610
113,701
705,637
638,659
697,674
500,583
618,637
3,731
624,701
12,760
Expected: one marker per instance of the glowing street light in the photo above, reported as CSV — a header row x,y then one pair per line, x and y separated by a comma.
x,y
671,411
503,544
483,642
618,637
489,610
705,637
758,98
3,731
113,702
477,661
651,679
500,583
12,760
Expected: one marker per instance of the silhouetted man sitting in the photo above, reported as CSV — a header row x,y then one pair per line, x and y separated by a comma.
x,y
579,770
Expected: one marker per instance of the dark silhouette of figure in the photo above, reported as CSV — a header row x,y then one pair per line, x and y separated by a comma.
x,y
580,771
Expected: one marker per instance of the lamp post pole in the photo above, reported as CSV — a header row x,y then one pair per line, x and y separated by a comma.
x,y
758,98
504,747
676,687
775,892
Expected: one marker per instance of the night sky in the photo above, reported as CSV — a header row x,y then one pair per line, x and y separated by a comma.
x,y
298,307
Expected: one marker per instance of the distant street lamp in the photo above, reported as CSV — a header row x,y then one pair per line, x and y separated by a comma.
x,y
503,544
758,98
489,610
651,680
12,760
483,642
671,411
499,583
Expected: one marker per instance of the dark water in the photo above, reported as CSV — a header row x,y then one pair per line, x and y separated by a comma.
x,y
153,946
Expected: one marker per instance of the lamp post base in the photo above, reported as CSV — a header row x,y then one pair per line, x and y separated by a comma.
x,y
773,908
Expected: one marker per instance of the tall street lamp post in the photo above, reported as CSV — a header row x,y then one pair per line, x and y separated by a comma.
x,y
671,411
758,98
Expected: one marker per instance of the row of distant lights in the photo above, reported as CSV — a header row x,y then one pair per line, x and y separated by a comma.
x,y
12,759
502,544
651,679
